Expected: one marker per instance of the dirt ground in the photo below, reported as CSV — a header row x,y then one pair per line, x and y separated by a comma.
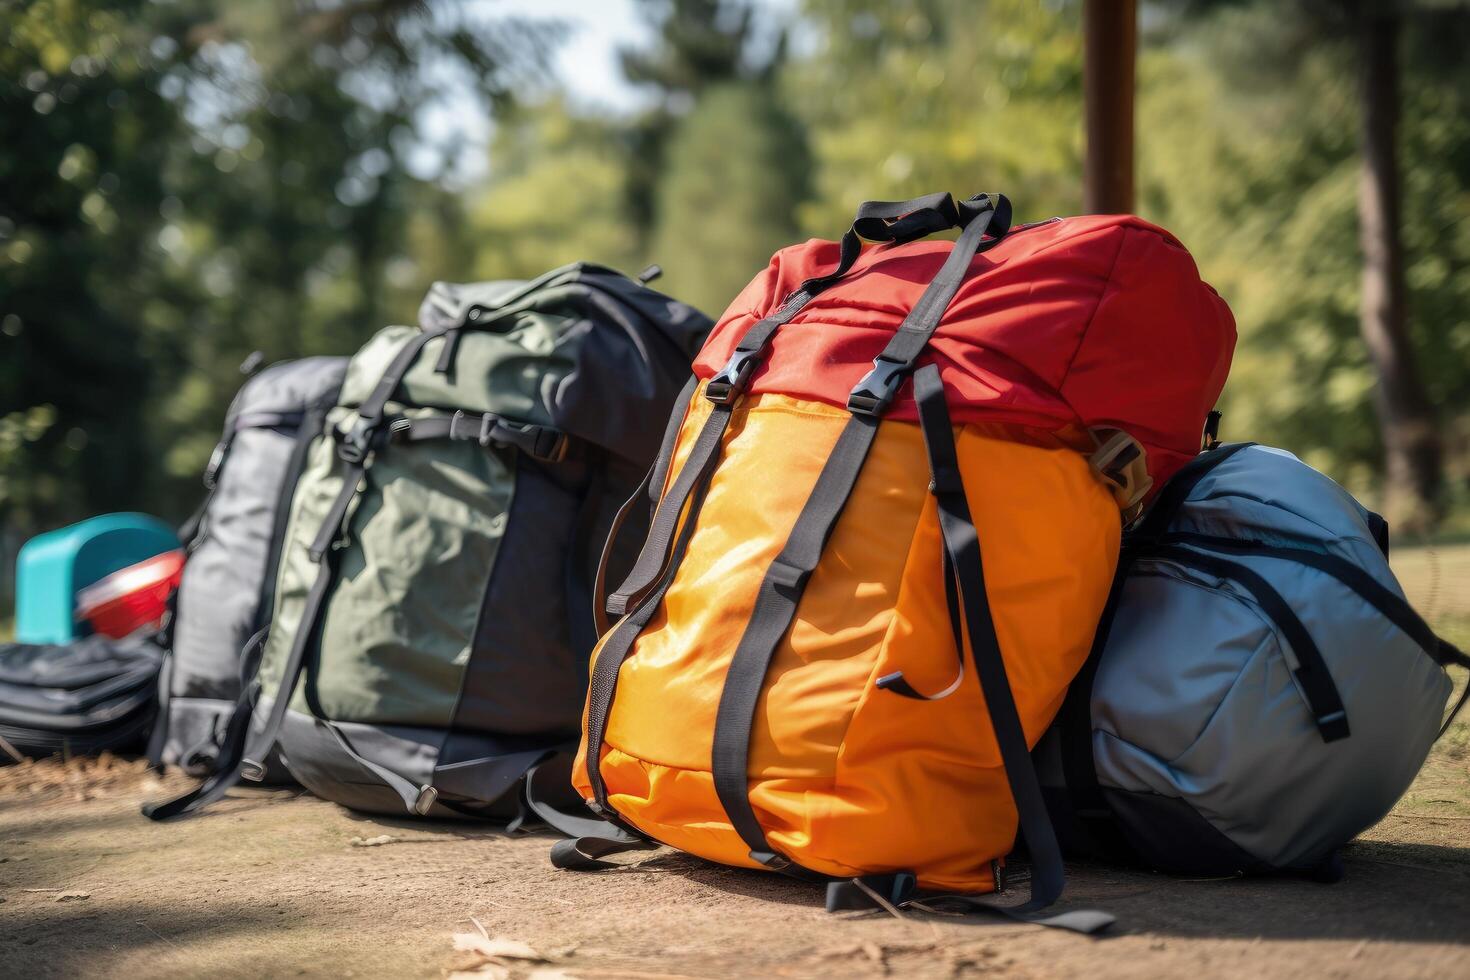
x,y
276,883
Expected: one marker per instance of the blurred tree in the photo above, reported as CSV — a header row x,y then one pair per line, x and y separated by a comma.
x,y
186,182
556,195
698,44
87,138
904,97
1281,114
720,213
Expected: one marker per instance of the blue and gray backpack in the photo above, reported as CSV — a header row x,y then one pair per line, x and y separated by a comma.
x,y
1259,692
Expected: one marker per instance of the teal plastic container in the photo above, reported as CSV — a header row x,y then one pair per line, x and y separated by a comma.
x,y
54,566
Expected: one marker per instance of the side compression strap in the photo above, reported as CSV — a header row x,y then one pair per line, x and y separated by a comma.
x,y
1311,670
1079,769
964,564
227,766
1084,793
263,736
540,442
1389,604
590,838
882,221
785,581
652,487
775,607
603,684
963,546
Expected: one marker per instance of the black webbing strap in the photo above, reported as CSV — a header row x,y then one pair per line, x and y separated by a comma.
x,y
231,750
1074,722
158,738
603,684
981,216
1392,606
263,737
898,684
1079,769
1451,654
589,838
1311,671
723,390
311,427
963,546
882,221
650,488
775,607
652,560
781,589
541,442
417,800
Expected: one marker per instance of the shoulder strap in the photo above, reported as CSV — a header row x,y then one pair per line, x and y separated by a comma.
x,y
785,581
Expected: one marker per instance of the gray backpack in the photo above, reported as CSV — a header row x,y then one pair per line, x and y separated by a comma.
x,y
432,615
232,540
1259,692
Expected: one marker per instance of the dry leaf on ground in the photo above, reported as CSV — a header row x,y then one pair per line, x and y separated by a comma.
x,y
496,949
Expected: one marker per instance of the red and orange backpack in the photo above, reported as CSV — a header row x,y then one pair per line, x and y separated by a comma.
x,y
888,518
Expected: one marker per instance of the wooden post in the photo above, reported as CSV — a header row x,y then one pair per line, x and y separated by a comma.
x,y
1110,38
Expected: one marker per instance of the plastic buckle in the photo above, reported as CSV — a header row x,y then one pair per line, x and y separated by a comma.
x,y
251,770
551,446
786,578
425,800
770,860
454,423
1120,461
726,386
216,460
1333,726
354,445
877,388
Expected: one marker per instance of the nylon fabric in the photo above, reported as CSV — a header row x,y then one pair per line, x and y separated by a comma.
x,y
833,758
1194,699
1088,321
402,606
453,572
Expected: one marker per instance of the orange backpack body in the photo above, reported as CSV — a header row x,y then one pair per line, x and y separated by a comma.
x,y
814,671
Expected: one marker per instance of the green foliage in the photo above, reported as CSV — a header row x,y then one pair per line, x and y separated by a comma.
x,y
183,183
557,196
87,138
700,44
904,97
720,213
1253,163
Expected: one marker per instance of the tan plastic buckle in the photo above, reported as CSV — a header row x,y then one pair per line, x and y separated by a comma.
x,y
1121,462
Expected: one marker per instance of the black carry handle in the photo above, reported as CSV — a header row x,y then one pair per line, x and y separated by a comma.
x,y
896,222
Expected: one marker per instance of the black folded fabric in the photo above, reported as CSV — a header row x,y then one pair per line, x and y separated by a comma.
x,y
79,698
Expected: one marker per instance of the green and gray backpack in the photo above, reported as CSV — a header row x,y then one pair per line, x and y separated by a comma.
x,y
433,609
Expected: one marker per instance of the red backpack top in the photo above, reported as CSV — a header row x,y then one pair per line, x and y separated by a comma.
x,y
1090,321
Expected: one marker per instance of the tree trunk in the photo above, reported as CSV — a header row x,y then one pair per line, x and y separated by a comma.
x,y
1410,437
1110,31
